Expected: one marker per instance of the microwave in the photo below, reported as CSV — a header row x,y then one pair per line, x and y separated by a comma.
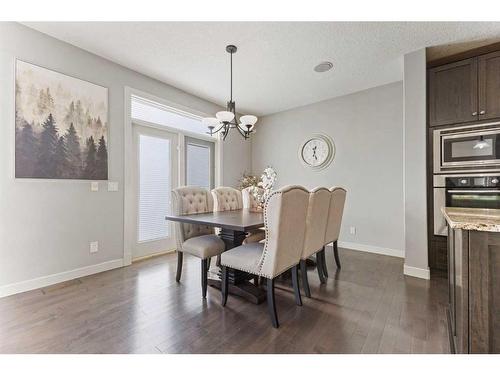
x,y
467,149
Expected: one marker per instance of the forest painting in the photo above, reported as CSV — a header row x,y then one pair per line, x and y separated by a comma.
x,y
61,126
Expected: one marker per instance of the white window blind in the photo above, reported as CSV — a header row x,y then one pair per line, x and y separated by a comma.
x,y
157,113
198,165
154,187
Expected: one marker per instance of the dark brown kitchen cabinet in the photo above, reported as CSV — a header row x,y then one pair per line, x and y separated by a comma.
x,y
465,91
474,291
453,95
489,85
458,297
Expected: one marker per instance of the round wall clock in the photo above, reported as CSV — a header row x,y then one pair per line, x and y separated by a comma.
x,y
317,152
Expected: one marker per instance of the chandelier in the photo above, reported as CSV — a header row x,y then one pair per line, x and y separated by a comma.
x,y
226,120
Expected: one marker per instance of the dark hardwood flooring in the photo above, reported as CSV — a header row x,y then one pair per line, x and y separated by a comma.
x,y
367,307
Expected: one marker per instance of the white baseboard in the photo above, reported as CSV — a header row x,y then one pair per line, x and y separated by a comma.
x,y
40,282
421,273
372,249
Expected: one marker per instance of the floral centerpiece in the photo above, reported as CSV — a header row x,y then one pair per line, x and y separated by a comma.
x,y
248,180
263,188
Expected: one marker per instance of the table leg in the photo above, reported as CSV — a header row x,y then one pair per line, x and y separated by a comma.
x,y
239,283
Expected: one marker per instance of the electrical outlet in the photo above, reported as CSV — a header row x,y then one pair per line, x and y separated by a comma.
x,y
94,247
352,230
112,186
94,186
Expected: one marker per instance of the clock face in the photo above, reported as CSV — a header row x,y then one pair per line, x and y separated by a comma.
x,y
317,152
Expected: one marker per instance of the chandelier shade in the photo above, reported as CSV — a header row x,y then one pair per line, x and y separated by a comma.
x,y
226,120
248,120
225,116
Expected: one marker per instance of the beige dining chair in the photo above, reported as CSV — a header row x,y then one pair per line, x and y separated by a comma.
x,y
337,202
314,242
197,240
251,203
285,224
229,199
248,198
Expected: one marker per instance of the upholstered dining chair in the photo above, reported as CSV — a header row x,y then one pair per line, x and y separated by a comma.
x,y
229,199
197,240
337,202
251,203
314,241
285,224
248,198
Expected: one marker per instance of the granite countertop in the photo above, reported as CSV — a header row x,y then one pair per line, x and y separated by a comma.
x,y
481,219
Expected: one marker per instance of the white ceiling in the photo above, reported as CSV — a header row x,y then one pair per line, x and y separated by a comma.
x,y
273,68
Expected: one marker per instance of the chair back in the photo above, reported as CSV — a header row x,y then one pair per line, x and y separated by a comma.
x,y
248,199
316,221
190,200
337,202
227,199
285,213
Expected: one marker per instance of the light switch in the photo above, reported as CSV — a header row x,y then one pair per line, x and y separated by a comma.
x,y
94,246
94,186
112,186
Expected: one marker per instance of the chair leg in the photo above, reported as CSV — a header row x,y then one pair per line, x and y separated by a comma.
x,y
179,266
296,286
336,254
325,268
204,269
271,303
305,281
319,267
224,285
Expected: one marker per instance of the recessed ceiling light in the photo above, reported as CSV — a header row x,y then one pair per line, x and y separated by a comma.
x,y
323,67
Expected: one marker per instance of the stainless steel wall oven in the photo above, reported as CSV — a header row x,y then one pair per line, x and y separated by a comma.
x,y
475,191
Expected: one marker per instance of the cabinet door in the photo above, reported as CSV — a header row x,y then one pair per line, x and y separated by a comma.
x,y
489,85
453,96
451,280
460,259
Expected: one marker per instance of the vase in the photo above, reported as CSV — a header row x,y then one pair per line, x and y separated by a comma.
x,y
258,209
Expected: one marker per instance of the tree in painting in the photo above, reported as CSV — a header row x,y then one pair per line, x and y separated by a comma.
x,y
60,133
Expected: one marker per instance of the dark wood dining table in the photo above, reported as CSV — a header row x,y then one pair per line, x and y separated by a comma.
x,y
234,226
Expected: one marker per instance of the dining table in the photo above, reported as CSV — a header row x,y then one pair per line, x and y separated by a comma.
x,y
233,228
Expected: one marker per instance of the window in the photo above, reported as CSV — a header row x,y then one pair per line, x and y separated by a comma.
x,y
157,113
199,163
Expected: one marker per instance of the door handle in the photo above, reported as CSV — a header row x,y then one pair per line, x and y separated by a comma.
x,y
482,112
474,113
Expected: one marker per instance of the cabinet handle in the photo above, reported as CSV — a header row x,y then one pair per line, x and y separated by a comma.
x,y
482,112
474,113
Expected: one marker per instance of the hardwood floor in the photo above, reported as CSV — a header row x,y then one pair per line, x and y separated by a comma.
x,y
367,307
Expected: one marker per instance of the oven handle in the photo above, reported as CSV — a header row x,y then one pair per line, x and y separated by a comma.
x,y
475,191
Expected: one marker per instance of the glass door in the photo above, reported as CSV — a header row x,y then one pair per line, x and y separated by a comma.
x,y
155,177
199,162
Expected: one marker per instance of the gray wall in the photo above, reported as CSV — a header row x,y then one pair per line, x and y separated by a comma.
x,y
46,226
367,128
416,263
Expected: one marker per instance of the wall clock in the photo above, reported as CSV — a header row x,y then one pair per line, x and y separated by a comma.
x,y
317,152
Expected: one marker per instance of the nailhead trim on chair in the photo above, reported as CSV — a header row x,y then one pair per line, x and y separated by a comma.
x,y
264,253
